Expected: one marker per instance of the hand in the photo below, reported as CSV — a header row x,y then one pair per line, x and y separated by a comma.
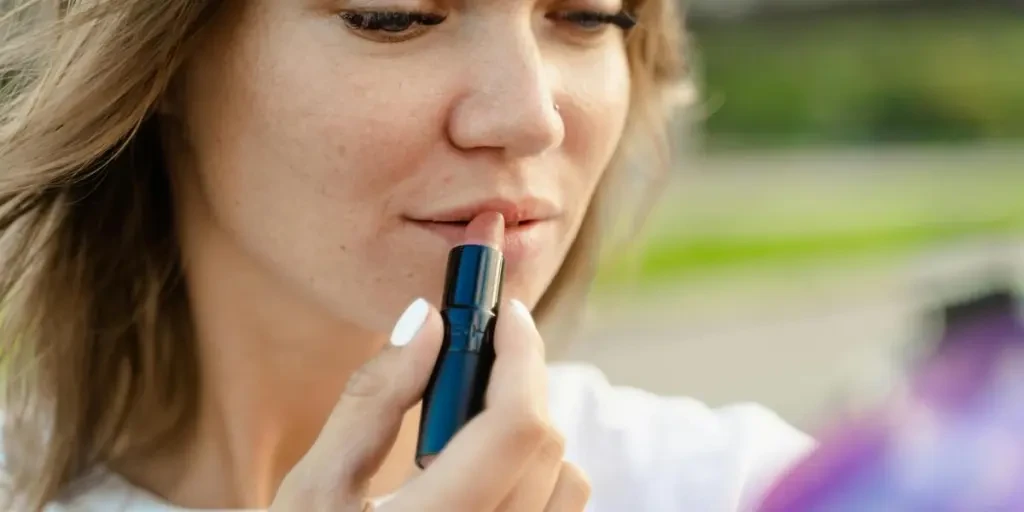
x,y
508,458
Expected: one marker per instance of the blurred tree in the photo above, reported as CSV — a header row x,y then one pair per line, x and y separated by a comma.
x,y
940,76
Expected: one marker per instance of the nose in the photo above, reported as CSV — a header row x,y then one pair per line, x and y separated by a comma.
x,y
509,100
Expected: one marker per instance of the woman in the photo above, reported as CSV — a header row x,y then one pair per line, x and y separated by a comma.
x,y
213,212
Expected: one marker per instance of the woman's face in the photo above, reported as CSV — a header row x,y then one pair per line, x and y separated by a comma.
x,y
342,148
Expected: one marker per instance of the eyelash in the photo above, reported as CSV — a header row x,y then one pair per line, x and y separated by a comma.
x,y
621,19
379,21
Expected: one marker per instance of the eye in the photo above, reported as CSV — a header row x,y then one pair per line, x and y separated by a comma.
x,y
593,21
390,26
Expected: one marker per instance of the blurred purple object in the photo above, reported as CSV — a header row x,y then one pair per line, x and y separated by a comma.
x,y
951,441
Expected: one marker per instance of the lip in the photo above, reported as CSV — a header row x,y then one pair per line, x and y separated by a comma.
x,y
515,211
528,224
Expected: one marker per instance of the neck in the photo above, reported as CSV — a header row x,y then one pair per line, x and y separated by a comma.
x,y
272,368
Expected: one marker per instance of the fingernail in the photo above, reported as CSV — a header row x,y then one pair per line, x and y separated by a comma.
x,y
410,323
522,311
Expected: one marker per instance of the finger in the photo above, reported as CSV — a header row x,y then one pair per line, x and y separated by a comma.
x,y
498,445
572,492
538,482
519,378
364,424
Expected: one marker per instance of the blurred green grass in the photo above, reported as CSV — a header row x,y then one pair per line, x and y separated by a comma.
x,y
767,221
680,257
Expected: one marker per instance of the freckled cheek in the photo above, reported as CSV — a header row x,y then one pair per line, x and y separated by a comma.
x,y
366,151
373,125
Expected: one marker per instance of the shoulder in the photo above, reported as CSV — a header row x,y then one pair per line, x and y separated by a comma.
x,y
648,452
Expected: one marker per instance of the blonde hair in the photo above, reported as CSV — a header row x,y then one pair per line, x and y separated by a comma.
x,y
95,333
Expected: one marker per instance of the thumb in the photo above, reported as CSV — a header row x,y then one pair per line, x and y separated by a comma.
x,y
364,424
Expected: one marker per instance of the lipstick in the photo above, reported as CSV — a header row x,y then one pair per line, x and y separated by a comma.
x,y
469,310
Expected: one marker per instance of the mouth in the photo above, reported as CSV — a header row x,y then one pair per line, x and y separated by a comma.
x,y
517,225
517,213
525,237
531,225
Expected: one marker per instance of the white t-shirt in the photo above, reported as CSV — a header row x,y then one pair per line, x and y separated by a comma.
x,y
642,452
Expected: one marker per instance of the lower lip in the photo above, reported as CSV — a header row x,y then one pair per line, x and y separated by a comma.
x,y
521,242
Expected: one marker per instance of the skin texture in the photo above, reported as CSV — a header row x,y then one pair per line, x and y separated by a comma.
x,y
300,149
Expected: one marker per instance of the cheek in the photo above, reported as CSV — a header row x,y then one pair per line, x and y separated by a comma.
x,y
599,98
349,140
315,132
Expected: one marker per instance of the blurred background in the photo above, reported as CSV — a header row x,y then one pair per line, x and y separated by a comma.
x,y
858,166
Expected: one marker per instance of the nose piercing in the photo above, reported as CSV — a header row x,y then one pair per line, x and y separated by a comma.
x,y
557,108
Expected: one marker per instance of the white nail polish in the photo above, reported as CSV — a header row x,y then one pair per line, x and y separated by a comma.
x,y
522,310
410,323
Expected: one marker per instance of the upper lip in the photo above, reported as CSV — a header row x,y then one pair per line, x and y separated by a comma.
x,y
514,211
